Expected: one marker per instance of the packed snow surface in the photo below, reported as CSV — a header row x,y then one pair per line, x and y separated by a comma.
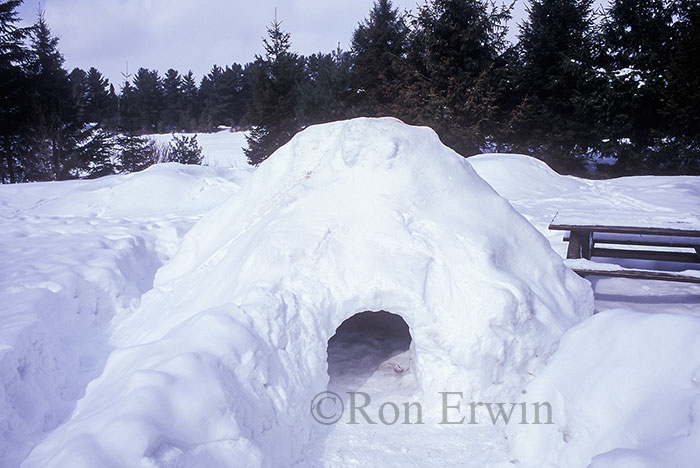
x,y
181,316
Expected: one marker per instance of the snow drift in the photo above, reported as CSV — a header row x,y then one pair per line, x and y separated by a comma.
x,y
220,362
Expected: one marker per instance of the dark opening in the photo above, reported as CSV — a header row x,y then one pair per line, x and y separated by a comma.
x,y
369,348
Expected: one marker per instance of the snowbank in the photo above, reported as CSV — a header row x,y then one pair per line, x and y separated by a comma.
x,y
539,193
625,389
222,359
76,254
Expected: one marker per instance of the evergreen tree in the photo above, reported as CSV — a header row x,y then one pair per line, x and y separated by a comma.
x,y
190,107
56,125
222,96
379,47
557,80
78,86
208,97
326,95
100,99
456,53
148,99
682,96
129,120
275,82
14,92
97,154
638,38
172,101
185,150
233,95
134,153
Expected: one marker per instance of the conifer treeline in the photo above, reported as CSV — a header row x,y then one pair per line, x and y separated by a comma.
x,y
576,87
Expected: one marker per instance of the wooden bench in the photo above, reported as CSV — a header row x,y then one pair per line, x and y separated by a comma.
x,y
669,244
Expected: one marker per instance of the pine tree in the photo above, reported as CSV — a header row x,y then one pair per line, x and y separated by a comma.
x,y
379,46
208,97
190,107
148,99
185,150
557,80
232,95
172,101
14,92
275,82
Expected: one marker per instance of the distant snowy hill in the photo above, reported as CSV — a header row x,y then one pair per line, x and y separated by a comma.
x,y
180,316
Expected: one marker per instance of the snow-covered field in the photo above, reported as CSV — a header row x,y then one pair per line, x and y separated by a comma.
x,y
221,149
181,316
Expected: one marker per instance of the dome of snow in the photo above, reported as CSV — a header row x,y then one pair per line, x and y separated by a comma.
x,y
224,356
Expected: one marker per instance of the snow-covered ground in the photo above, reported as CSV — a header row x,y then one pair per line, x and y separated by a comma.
x,y
181,316
221,149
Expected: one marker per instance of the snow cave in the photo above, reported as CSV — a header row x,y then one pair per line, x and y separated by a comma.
x,y
365,343
363,224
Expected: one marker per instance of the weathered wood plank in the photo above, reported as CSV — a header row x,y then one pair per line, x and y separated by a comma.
x,y
627,230
645,241
639,274
656,255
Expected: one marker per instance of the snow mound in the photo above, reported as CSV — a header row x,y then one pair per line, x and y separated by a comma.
x,y
75,255
625,391
223,357
166,188
513,175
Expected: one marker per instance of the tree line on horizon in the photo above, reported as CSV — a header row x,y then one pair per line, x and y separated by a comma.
x,y
615,90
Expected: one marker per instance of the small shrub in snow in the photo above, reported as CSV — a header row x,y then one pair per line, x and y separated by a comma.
x,y
185,150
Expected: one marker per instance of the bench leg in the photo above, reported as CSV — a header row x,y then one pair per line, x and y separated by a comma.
x,y
580,244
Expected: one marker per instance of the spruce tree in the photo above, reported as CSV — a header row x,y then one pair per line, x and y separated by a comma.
x,y
78,86
14,92
379,46
171,118
558,83
54,111
100,99
456,51
222,96
129,120
638,41
327,94
148,99
134,153
190,107
275,81
682,95
208,97
232,95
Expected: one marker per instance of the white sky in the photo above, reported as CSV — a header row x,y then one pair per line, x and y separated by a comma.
x,y
191,34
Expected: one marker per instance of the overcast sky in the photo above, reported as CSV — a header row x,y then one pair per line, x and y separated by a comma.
x,y
193,34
